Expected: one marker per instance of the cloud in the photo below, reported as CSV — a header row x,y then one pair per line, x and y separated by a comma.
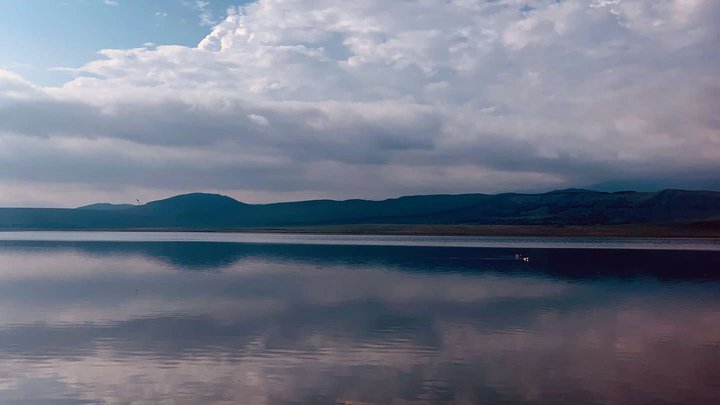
x,y
316,96
14,89
110,2
203,8
258,119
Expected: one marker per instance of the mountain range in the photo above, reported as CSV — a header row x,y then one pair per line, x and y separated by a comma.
x,y
201,211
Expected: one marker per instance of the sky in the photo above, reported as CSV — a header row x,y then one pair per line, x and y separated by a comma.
x,y
276,100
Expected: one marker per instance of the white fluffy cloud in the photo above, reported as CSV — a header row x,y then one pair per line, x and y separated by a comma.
x,y
315,97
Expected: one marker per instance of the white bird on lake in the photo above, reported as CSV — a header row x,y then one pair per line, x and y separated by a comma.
x,y
524,258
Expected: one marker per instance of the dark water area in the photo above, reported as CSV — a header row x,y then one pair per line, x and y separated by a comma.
x,y
191,322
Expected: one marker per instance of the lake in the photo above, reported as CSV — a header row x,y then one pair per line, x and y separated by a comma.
x,y
193,318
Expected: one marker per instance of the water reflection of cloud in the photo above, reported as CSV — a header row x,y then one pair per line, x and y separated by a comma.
x,y
118,287
537,362
282,330
570,264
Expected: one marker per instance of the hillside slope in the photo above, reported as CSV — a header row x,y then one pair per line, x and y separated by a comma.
x,y
217,212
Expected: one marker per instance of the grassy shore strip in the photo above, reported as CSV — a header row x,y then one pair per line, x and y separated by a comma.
x,y
502,230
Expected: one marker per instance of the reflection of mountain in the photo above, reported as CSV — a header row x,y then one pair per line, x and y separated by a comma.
x,y
211,211
316,324
566,263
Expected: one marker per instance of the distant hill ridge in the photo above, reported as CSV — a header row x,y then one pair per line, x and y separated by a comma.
x,y
219,212
106,206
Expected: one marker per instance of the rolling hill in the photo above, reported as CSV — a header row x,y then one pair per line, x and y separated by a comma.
x,y
217,212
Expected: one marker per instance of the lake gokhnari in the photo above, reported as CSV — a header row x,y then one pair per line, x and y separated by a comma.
x,y
174,318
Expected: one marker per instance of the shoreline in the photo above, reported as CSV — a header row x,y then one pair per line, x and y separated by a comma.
x,y
629,231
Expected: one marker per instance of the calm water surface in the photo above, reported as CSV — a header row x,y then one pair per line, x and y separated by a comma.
x,y
276,319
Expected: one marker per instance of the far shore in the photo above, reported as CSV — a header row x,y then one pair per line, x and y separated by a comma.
x,y
632,231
